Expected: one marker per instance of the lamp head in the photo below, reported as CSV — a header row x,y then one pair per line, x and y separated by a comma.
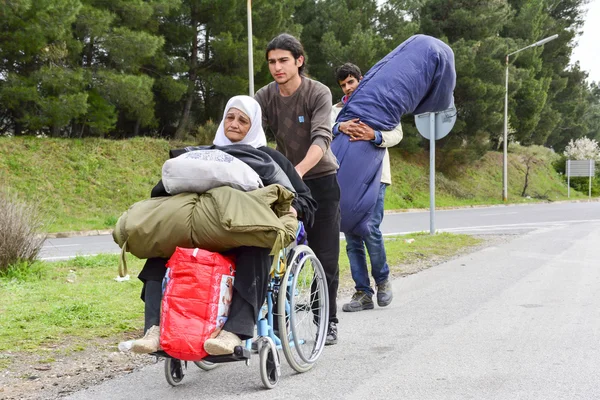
x,y
546,40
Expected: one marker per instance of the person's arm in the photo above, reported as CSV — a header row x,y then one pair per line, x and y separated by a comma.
x,y
320,133
303,203
335,110
391,138
361,131
313,156
349,128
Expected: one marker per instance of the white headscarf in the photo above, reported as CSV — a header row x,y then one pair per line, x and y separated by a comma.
x,y
256,136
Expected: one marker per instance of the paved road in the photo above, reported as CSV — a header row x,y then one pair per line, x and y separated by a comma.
x,y
520,320
500,219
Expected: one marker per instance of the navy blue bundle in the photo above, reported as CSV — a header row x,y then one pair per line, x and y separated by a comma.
x,y
417,77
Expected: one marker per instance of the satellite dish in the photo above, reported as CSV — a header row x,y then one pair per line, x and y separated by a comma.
x,y
444,122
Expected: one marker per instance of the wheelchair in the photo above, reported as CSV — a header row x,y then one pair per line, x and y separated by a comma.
x,y
298,302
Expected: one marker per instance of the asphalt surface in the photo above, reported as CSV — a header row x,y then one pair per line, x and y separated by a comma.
x,y
498,219
520,320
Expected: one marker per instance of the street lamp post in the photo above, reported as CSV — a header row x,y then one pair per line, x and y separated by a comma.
x,y
250,56
505,144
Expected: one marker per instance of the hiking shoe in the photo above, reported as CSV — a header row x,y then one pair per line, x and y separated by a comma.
x,y
149,343
384,293
360,301
224,343
332,335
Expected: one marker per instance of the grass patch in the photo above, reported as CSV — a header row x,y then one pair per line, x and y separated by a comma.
x,y
424,248
43,309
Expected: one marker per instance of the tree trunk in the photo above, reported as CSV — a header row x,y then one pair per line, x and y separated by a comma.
x,y
17,125
90,53
136,129
55,131
527,169
191,92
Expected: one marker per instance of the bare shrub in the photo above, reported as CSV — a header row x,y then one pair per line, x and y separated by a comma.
x,y
451,187
530,158
21,237
206,133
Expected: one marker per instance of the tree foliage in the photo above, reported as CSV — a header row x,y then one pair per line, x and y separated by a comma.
x,y
120,68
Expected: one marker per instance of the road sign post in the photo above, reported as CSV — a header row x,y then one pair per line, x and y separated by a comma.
x,y
434,126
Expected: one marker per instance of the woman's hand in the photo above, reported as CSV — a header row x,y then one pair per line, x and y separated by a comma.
x,y
293,211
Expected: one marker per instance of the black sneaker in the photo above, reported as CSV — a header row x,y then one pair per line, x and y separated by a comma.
x,y
360,301
384,293
331,334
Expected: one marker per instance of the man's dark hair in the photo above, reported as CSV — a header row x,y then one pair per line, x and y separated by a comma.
x,y
285,41
346,70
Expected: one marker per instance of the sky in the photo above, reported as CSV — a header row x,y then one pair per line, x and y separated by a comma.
x,y
587,51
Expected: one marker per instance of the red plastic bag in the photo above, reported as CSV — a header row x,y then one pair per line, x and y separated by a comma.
x,y
196,298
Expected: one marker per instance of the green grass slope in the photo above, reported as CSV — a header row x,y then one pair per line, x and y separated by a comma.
x,y
81,184
88,183
477,183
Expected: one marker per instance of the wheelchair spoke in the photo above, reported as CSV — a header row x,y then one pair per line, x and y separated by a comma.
x,y
306,310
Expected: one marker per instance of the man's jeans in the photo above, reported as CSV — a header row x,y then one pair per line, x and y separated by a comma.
x,y
355,247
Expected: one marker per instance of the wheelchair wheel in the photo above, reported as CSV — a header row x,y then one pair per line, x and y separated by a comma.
x,y
268,367
303,309
205,365
174,371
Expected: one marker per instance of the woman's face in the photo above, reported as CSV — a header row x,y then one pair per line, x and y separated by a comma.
x,y
236,124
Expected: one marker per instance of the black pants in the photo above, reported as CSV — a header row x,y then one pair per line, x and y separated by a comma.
x,y
250,289
324,235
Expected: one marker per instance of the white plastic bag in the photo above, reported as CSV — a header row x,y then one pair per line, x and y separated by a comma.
x,y
201,170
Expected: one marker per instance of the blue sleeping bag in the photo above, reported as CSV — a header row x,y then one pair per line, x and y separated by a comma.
x,y
417,77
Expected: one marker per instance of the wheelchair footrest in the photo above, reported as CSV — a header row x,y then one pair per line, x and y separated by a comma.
x,y
240,353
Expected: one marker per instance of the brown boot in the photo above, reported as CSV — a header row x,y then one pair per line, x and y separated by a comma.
x,y
224,343
149,343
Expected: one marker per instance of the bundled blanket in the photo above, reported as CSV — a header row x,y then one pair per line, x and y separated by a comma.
x,y
417,77
218,220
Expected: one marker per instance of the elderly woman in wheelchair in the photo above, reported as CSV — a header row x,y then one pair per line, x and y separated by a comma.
x,y
240,127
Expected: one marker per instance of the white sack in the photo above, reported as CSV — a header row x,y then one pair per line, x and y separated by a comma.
x,y
201,170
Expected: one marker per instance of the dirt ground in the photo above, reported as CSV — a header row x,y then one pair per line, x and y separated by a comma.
x,y
31,376
62,371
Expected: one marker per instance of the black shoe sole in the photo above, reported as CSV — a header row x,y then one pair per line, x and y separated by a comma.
x,y
362,308
385,303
